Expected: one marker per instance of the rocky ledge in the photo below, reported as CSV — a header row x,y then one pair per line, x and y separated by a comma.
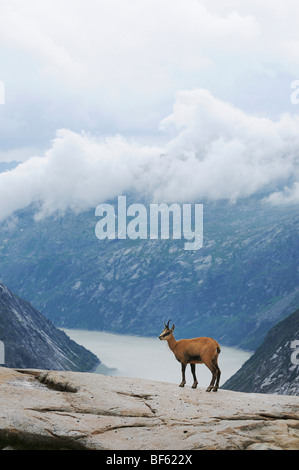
x,y
73,410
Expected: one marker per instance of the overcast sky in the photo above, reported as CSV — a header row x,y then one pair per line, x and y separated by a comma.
x,y
205,83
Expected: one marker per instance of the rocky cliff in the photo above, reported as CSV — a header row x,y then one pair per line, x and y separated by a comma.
x,y
274,367
31,340
72,410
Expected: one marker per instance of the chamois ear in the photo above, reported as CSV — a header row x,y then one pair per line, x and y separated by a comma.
x,y
173,327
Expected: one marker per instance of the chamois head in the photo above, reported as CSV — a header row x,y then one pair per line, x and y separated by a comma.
x,y
167,331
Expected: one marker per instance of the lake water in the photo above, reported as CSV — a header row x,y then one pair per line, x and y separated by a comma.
x,y
150,358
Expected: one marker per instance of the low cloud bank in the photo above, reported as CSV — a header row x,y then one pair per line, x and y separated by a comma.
x,y
215,151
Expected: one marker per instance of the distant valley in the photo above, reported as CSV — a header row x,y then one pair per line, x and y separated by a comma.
x,y
243,281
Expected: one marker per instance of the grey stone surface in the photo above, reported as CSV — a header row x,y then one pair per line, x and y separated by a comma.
x,y
73,410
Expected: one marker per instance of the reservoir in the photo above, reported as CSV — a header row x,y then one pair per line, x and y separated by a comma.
x,y
150,358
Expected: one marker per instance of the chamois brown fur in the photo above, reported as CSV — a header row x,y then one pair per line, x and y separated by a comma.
x,y
193,351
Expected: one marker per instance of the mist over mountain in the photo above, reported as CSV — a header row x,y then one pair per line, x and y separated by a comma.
x,y
212,151
243,280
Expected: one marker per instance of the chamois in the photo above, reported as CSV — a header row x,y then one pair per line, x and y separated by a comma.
x,y
194,351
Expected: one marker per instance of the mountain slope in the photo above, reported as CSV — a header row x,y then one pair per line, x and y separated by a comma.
x,y
243,280
274,367
32,341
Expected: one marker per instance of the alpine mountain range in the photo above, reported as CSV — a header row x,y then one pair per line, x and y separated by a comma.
x,y
235,288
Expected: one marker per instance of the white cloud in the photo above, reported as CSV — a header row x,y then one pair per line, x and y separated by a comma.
x,y
17,155
76,173
32,29
111,61
114,66
221,152
215,151
290,195
116,39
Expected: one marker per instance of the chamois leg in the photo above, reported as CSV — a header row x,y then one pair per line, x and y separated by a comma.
x,y
194,375
218,373
213,370
183,382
